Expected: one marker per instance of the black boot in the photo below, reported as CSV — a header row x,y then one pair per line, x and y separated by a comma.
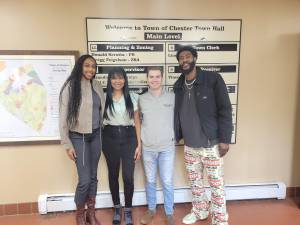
x,y
128,216
118,214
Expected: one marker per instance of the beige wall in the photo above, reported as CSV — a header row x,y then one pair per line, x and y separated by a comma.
x,y
267,145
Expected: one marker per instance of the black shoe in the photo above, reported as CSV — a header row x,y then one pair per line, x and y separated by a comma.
x,y
128,216
118,214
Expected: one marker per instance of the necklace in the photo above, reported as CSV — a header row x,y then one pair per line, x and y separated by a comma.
x,y
189,86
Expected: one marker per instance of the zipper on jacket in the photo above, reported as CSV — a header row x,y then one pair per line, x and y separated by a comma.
x,y
83,147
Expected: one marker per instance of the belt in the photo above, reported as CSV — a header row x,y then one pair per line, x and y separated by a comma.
x,y
118,127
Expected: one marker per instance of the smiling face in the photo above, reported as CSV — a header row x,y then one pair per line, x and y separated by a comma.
x,y
117,82
186,61
154,79
89,68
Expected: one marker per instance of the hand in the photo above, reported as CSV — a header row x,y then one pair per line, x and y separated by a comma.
x,y
72,154
138,153
223,149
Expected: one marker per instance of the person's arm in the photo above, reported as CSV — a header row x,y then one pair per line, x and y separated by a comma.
x,y
102,97
63,126
137,123
224,114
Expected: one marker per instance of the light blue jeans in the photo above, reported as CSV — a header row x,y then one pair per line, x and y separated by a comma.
x,y
164,159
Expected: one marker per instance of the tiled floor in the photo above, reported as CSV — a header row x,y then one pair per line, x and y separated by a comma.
x,y
256,212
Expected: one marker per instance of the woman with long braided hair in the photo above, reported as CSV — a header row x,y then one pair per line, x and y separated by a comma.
x,y
81,109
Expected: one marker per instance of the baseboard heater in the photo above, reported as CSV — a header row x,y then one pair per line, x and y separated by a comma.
x,y
65,202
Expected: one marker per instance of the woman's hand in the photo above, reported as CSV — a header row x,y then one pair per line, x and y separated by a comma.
x,y
138,153
72,154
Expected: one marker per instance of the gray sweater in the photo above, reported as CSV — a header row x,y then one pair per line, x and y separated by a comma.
x,y
157,127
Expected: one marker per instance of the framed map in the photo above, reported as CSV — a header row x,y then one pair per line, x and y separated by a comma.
x,y
30,82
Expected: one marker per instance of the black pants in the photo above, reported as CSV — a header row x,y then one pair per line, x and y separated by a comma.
x,y
119,144
88,150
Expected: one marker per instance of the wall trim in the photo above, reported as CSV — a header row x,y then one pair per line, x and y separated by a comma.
x,y
32,207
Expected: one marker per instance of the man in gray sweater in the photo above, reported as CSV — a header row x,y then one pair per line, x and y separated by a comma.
x,y
157,134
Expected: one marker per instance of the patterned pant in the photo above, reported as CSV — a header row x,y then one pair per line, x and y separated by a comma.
x,y
196,160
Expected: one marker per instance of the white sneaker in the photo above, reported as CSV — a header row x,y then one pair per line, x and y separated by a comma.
x,y
220,223
192,218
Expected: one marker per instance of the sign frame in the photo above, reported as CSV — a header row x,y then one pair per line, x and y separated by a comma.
x,y
127,38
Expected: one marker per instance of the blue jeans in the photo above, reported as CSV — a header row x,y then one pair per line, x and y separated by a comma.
x,y
165,161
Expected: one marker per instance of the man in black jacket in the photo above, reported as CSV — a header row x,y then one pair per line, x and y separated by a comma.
x,y
203,118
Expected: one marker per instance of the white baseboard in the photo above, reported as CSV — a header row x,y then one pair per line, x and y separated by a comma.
x,y
65,202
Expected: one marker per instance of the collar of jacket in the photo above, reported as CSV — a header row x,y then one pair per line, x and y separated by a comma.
x,y
199,79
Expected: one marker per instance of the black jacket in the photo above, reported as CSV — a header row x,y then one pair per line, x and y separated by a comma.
x,y
212,103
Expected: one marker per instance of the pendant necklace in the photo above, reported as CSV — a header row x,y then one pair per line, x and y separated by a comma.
x,y
189,86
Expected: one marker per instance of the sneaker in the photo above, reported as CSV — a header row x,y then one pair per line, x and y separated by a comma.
x,y
147,217
203,215
192,218
225,223
170,220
